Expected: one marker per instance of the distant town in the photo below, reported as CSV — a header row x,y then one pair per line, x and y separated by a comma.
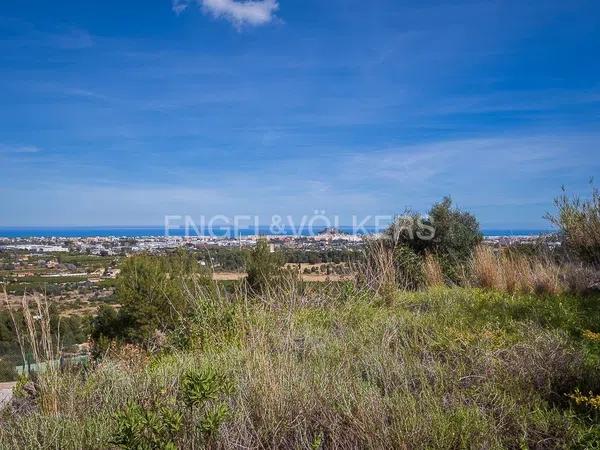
x,y
62,266
329,238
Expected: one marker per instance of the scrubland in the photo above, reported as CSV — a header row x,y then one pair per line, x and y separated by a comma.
x,y
438,344
337,367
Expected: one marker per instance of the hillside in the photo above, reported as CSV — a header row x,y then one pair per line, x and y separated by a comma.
x,y
337,368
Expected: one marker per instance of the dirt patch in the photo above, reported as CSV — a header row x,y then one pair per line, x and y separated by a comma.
x,y
228,276
315,277
6,393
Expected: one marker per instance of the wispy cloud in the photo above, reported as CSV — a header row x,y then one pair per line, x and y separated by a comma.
x,y
507,180
72,39
25,34
19,149
240,13
180,5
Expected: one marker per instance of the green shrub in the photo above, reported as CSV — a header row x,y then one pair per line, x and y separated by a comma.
x,y
194,416
446,232
139,428
263,267
409,268
578,222
106,326
154,295
199,387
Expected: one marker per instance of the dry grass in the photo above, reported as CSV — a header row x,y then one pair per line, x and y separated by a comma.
x,y
378,272
35,337
485,269
432,270
499,269
495,269
580,279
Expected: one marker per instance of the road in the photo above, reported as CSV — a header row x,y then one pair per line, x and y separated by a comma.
x,y
5,393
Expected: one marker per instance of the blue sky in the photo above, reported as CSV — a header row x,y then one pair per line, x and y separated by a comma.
x,y
119,112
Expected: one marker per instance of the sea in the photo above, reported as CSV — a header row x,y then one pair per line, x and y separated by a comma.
x,y
158,231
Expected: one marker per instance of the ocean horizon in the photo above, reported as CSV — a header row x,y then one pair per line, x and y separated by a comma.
x,y
222,231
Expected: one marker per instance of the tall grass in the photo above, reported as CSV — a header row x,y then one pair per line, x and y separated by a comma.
x,y
378,270
433,272
384,270
333,367
36,338
508,271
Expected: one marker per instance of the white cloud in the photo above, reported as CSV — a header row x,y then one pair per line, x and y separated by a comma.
x,y
240,13
19,149
179,6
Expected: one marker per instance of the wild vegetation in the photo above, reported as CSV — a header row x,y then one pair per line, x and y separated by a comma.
x,y
579,223
70,331
448,344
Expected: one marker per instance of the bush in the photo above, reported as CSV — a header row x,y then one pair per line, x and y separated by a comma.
x,y
578,222
447,232
141,428
106,326
580,279
154,295
263,267
176,422
409,268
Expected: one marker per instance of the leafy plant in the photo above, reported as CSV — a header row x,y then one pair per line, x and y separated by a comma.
x,y
198,387
19,388
212,420
199,410
140,428
591,400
